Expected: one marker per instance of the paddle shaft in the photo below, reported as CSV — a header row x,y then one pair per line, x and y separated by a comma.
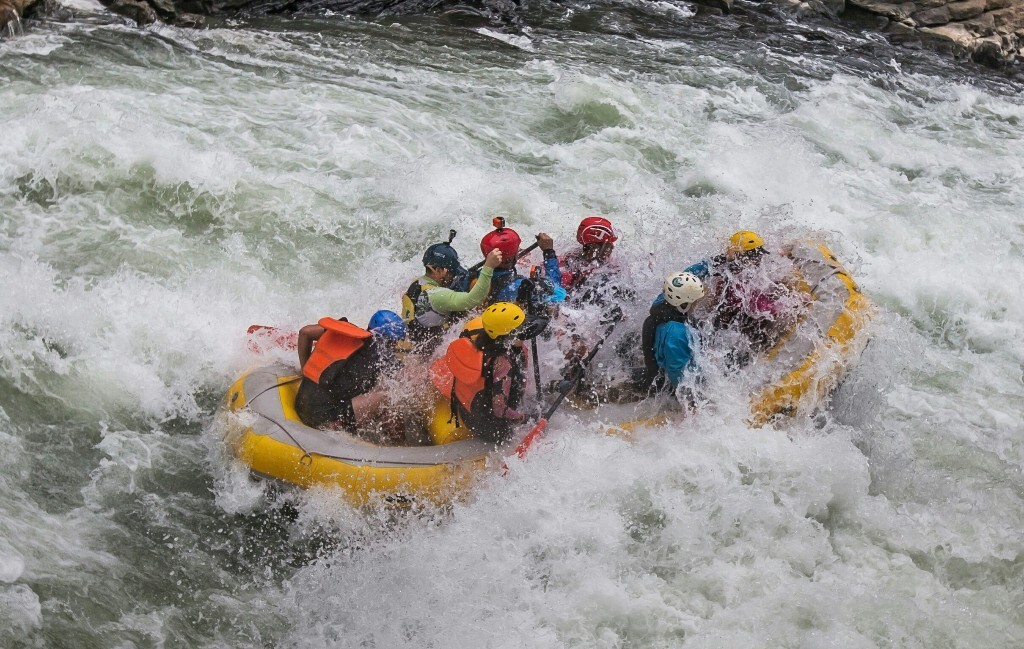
x,y
536,366
574,378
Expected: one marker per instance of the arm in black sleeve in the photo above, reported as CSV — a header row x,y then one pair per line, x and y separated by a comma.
x,y
647,344
659,315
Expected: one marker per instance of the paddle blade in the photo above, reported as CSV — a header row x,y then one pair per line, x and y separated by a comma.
x,y
261,339
531,437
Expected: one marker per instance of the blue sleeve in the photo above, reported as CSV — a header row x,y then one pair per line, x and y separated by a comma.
x,y
701,269
552,270
509,292
461,282
658,300
674,344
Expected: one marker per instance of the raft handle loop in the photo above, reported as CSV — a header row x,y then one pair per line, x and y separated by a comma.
x,y
306,459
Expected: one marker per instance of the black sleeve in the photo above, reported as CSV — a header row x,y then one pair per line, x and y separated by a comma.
x,y
367,368
647,344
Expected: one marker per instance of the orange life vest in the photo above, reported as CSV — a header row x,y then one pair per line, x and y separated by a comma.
x,y
460,370
338,343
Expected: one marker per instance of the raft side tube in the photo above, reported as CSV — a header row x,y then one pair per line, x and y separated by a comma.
x,y
278,445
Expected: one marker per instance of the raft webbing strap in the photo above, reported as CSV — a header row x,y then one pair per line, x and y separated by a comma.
x,y
276,385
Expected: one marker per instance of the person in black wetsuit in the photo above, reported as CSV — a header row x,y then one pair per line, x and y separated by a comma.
x,y
341,366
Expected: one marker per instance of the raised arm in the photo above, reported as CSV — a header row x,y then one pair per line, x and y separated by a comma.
x,y
307,336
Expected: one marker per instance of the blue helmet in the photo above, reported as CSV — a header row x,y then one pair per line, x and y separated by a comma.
x,y
388,324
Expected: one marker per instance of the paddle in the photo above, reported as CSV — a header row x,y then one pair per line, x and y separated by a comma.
x,y
531,308
577,374
262,338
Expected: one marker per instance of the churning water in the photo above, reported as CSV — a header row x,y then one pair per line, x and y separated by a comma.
x,y
162,189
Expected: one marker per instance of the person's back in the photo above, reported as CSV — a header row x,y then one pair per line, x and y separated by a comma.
x,y
588,272
341,363
668,339
675,347
507,285
483,375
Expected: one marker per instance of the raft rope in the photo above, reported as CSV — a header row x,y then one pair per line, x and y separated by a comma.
x,y
306,455
276,385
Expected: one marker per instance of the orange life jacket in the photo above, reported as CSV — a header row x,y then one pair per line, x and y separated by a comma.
x,y
338,343
460,372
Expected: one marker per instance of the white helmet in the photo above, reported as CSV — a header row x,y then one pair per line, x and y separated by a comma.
x,y
682,289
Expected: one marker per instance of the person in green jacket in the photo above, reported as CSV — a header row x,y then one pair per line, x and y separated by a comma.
x,y
430,306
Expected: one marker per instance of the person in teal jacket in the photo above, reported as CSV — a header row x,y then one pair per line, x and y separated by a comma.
x,y
669,339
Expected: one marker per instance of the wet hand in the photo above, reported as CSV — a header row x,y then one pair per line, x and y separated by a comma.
x,y
577,352
493,260
545,242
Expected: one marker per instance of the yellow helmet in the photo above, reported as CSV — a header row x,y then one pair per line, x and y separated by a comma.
x,y
745,241
502,318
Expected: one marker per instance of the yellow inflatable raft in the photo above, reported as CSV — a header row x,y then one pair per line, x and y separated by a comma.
x,y
268,437
811,361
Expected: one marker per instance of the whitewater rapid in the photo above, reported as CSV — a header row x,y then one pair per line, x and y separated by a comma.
x,y
162,189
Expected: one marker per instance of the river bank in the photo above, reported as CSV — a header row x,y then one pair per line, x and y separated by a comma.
x,y
990,32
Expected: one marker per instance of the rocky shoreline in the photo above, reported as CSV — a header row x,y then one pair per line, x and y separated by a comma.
x,y
990,32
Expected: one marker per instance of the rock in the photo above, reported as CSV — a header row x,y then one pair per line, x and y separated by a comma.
x,y
7,15
789,6
890,11
834,7
190,21
992,5
953,38
723,5
11,12
812,9
899,29
935,16
989,51
901,33
1009,19
966,9
703,10
983,25
164,8
141,13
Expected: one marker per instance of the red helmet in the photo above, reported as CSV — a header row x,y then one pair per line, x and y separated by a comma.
x,y
504,239
596,229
